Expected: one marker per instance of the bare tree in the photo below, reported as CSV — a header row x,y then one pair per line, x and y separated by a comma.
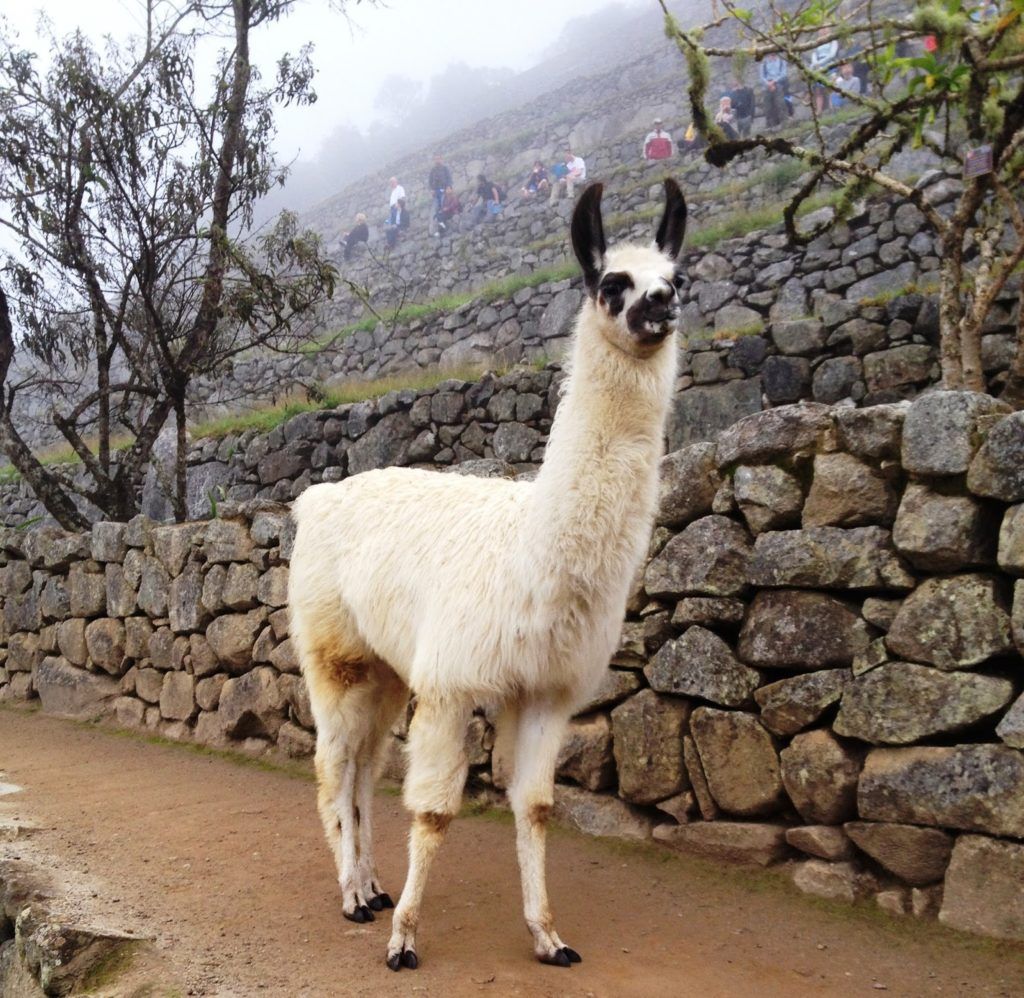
x,y
961,97
129,194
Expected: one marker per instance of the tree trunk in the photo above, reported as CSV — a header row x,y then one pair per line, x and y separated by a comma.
x,y
951,312
1014,391
180,464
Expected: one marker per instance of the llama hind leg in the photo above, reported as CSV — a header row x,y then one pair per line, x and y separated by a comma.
x,y
539,736
391,701
433,792
340,754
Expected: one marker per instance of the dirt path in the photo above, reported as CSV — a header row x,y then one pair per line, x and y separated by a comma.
x,y
224,867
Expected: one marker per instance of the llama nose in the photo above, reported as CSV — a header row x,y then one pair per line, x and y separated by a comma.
x,y
660,295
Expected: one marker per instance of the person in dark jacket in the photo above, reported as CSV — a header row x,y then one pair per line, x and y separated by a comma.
x,y
359,233
743,107
438,180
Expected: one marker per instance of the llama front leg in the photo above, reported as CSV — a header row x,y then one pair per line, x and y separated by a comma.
x,y
433,792
538,739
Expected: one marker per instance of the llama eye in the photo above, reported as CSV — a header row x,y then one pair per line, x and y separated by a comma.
x,y
678,279
612,289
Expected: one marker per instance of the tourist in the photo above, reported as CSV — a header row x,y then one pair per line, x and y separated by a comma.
x,y
774,82
537,183
489,200
359,233
438,181
692,140
657,143
847,82
575,173
398,221
397,194
743,107
725,117
450,207
822,60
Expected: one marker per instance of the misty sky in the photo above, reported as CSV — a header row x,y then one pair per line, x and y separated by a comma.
x,y
414,38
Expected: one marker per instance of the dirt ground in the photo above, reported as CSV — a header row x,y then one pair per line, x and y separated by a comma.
x,y
222,866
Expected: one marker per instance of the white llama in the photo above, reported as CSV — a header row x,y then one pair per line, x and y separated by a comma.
x,y
472,591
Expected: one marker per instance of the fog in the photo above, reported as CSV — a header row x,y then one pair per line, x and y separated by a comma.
x,y
391,76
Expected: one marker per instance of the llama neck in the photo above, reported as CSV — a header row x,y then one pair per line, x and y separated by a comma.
x,y
594,497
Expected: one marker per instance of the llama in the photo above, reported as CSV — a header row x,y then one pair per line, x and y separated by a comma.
x,y
471,591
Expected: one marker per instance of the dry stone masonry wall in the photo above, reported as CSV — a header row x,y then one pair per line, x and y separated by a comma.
x,y
821,666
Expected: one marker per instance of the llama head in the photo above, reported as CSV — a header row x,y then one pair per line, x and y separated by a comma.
x,y
634,288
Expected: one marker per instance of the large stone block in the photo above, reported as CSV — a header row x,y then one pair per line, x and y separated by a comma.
x,y
983,888
997,470
829,558
740,760
1011,540
108,541
586,754
105,641
952,622
154,586
178,696
774,433
702,412
824,841
794,629
978,788
848,492
873,432
768,496
899,368
941,434
820,775
1011,728
252,705
71,692
231,638
943,533
226,540
184,601
122,597
688,482
842,881
272,589
900,703
790,705
708,558
701,664
238,591
87,592
383,445
71,641
745,842
648,743
600,814
172,545
918,856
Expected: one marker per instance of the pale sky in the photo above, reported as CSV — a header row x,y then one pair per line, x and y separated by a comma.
x,y
414,38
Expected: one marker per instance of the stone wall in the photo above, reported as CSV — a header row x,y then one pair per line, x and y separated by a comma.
x,y
821,665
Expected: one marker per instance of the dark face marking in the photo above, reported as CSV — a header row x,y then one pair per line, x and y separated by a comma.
x,y
651,316
612,291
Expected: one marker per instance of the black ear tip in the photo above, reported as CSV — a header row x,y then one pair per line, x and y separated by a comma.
x,y
673,192
592,194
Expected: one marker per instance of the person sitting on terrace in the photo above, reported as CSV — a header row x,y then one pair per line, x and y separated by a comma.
x,y
725,117
537,183
398,221
450,207
575,173
846,81
489,200
359,233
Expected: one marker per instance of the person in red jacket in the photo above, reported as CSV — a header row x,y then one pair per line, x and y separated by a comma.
x,y
657,144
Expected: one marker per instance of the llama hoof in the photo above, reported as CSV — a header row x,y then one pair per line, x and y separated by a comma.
x,y
385,901
557,959
403,958
573,956
360,914
375,903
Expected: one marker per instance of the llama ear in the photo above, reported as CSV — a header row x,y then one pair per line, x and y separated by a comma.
x,y
672,227
588,236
